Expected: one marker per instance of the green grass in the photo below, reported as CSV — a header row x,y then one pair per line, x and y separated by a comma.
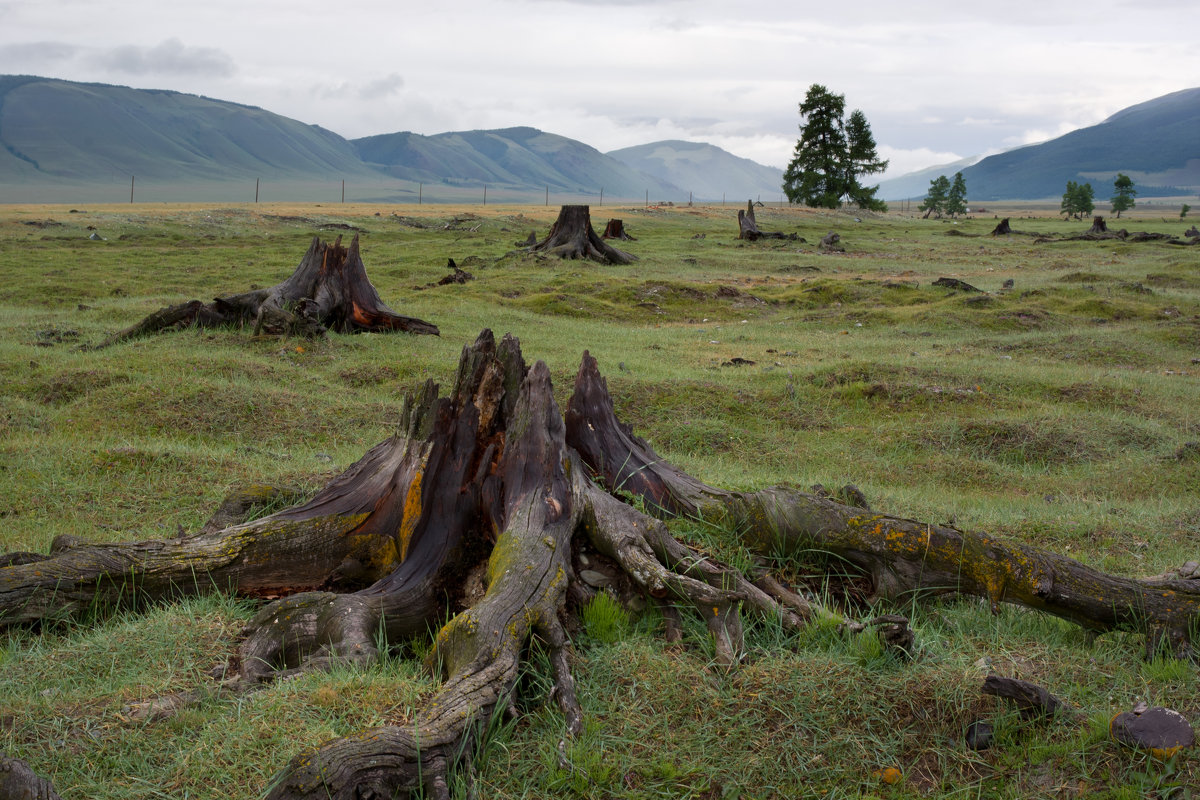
x,y
1061,413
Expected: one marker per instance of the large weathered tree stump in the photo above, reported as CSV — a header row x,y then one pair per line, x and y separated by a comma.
x,y
329,290
478,511
572,236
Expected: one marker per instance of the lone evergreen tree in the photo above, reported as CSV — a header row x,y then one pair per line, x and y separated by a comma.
x,y
831,154
935,199
956,200
1123,200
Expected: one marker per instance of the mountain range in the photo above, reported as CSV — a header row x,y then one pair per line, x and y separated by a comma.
x,y
1156,143
63,141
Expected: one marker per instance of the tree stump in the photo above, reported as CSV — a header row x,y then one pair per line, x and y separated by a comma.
x,y
748,227
1098,225
615,229
1003,229
329,290
572,236
492,485
831,243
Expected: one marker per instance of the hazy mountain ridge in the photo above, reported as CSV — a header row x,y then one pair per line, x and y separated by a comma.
x,y
1156,143
706,171
61,131
56,133
515,157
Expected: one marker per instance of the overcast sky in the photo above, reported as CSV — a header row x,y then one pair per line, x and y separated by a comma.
x,y
938,81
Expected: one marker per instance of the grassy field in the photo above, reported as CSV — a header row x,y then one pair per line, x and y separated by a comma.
x,y
1061,412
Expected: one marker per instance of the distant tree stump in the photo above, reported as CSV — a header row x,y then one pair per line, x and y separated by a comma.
x,y
329,290
831,243
748,226
615,229
572,236
1098,225
1003,229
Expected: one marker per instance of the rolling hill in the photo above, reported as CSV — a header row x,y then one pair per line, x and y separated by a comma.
x,y
1156,143
706,171
524,158
64,132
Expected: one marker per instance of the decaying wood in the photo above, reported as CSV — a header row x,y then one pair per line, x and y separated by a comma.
x,y
329,290
902,556
1098,225
19,782
748,227
615,229
492,484
956,284
572,236
831,243
1002,228
1031,700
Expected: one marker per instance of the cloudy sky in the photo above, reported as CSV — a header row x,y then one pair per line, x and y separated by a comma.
x,y
938,81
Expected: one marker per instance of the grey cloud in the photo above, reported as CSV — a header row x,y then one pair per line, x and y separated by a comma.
x,y
382,87
39,52
170,57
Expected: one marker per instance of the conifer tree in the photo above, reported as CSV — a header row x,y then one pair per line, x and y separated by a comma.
x,y
956,199
831,154
1122,199
935,199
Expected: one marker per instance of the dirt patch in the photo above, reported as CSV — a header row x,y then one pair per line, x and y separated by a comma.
x,y
62,389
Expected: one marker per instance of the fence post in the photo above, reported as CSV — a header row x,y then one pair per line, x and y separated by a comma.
x,y
131,180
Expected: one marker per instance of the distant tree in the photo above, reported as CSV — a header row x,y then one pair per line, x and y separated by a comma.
x,y
862,159
1183,210
831,154
956,199
935,199
1079,199
1123,200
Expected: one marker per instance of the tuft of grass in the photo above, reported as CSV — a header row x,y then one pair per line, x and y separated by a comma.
x,y
605,619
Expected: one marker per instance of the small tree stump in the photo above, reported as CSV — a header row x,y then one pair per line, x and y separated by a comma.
x,y
1003,229
831,243
1098,225
615,229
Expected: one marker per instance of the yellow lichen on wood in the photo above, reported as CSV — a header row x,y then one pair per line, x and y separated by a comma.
x,y
412,513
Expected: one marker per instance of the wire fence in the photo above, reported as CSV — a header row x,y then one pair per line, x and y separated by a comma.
x,y
131,189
